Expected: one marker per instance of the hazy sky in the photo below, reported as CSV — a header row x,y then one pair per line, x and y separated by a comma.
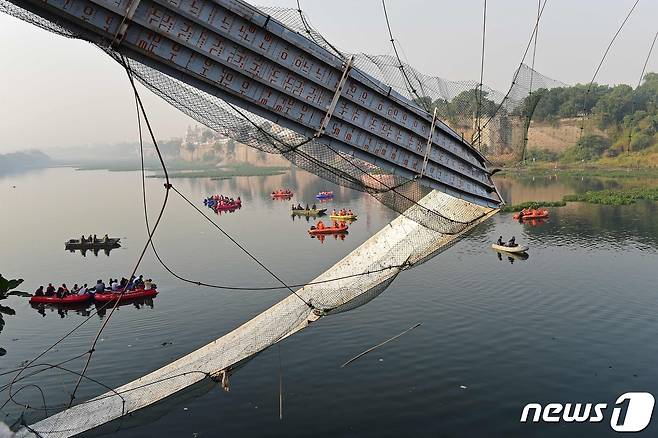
x,y
60,92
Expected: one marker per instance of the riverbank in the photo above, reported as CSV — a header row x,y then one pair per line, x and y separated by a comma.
x,y
546,169
181,169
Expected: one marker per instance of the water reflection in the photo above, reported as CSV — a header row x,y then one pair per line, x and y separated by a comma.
x,y
62,310
519,188
533,222
85,309
511,257
139,304
95,251
337,236
582,257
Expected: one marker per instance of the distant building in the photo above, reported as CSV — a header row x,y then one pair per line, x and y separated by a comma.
x,y
204,145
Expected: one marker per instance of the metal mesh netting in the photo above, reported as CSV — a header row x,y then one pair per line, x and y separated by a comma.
x,y
505,117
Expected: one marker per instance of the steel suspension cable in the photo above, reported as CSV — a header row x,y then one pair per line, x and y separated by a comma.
x,y
596,72
401,66
146,245
639,82
518,70
532,76
479,95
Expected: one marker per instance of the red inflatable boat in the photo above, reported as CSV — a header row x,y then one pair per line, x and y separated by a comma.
x,y
70,299
341,228
132,295
282,194
539,214
233,206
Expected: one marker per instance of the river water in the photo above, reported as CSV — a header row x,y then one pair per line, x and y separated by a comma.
x,y
575,322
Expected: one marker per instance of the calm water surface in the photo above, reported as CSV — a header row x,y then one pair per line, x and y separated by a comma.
x,y
575,322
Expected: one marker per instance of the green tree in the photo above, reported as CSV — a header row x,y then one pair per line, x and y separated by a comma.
x,y
588,148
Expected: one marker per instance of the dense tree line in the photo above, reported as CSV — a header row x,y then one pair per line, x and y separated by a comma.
x,y
622,112
460,110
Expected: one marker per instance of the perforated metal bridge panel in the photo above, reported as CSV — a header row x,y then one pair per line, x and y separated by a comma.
x,y
231,50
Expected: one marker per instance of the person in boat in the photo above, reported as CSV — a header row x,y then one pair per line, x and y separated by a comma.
x,y
83,290
512,242
320,225
148,284
499,242
314,207
39,292
50,290
75,289
349,212
106,238
82,239
115,285
95,239
307,206
139,283
333,212
100,286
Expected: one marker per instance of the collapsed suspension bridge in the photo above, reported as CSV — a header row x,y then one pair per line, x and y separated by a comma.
x,y
251,77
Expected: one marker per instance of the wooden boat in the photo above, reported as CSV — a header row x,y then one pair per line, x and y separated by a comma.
x,y
309,212
112,242
69,299
131,295
341,228
346,217
510,249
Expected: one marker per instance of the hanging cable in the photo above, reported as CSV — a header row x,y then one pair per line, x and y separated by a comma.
x,y
479,94
646,61
639,82
312,35
518,70
141,144
146,245
421,100
596,72
529,99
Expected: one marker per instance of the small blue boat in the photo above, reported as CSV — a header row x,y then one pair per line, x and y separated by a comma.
x,y
325,195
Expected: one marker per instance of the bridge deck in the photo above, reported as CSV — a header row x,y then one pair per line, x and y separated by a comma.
x,y
231,50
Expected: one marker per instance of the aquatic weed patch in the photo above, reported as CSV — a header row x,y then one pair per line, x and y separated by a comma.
x,y
615,197
531,204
